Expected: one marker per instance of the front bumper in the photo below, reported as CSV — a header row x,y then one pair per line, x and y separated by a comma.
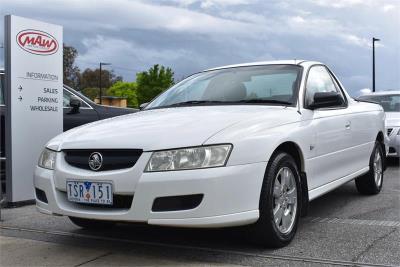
x,y
231,194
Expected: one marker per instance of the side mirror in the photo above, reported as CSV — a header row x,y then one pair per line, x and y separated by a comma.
x,y
326,100
142,106
75,103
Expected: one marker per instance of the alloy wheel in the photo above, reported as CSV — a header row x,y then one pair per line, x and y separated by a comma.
x,y
285,200
378,168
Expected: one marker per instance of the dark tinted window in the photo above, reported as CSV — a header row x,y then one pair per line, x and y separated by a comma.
x,y
67,97
2,89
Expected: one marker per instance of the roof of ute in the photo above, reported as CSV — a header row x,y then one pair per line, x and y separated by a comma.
x,y
275,62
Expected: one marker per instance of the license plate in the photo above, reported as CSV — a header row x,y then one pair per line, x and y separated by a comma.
x,y
90,192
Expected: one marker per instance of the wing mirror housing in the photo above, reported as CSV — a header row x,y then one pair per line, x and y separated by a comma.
x,y
326,100
75,103
143,105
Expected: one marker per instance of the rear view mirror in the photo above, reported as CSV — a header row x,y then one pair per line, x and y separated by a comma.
x,y
75,103
142,106
326,100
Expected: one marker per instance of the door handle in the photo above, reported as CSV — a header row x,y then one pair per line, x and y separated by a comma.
x,y
347,125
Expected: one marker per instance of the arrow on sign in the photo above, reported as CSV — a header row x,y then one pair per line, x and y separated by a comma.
x,y
20,88
20,98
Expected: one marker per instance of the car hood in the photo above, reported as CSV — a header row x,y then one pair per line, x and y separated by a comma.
x,y
165,128
392,119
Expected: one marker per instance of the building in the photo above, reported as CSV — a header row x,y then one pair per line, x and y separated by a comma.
x,y
114,101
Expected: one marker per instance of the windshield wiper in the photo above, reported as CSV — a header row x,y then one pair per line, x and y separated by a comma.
x,y
200,102
272,101
195,102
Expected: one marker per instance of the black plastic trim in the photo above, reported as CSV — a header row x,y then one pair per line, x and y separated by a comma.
x,y
41,195
176,203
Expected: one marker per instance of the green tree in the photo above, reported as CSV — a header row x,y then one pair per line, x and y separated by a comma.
x,y
71,73
125,89
90,79
91,92
152,82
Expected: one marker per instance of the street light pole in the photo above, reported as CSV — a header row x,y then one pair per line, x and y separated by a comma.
x,y
373,62
101,93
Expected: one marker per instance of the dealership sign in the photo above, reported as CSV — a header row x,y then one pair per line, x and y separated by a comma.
x,y
34,94
37,42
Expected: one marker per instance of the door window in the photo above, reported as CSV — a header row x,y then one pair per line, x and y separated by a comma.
x,y
2,89
319,80
67,97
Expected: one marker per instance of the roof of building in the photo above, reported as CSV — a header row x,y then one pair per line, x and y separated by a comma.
x,y
112,97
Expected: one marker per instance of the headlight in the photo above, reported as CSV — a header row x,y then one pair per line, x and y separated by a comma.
x,y
189,158
47,159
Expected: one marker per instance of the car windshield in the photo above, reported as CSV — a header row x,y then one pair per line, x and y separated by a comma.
x,y
390,103
268,84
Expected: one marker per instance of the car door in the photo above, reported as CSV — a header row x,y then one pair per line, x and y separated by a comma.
x,y
85,114
332,131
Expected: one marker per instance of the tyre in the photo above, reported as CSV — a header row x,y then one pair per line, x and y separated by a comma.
x,y
280,203
371,182
92,224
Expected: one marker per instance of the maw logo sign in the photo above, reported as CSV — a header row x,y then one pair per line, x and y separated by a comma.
x,y
37,42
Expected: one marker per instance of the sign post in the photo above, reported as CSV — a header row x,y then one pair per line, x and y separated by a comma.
x,y
34,95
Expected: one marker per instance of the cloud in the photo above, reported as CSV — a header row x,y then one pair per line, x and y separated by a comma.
x,y
388,7
191,35
364,91
130,50
245,16
341,3
136,15
384,5
323,27
222,3
352,39
208,3
130,55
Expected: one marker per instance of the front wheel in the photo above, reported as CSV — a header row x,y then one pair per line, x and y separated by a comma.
x,y
371,182
92,224
280,202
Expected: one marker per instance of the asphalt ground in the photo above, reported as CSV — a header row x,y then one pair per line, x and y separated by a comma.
x,y
343,228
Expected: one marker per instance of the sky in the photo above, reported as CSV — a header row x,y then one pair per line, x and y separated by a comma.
x,y
193,35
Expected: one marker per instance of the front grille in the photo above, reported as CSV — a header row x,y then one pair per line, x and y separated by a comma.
x,y
112,159
389,131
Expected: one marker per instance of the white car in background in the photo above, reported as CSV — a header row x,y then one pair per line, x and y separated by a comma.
x,y
390,101
247,144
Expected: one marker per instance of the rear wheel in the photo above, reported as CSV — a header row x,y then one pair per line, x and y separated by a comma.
x,y
92,224
371,182
280,202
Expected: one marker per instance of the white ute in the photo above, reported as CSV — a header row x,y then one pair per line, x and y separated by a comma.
x,y
247,144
